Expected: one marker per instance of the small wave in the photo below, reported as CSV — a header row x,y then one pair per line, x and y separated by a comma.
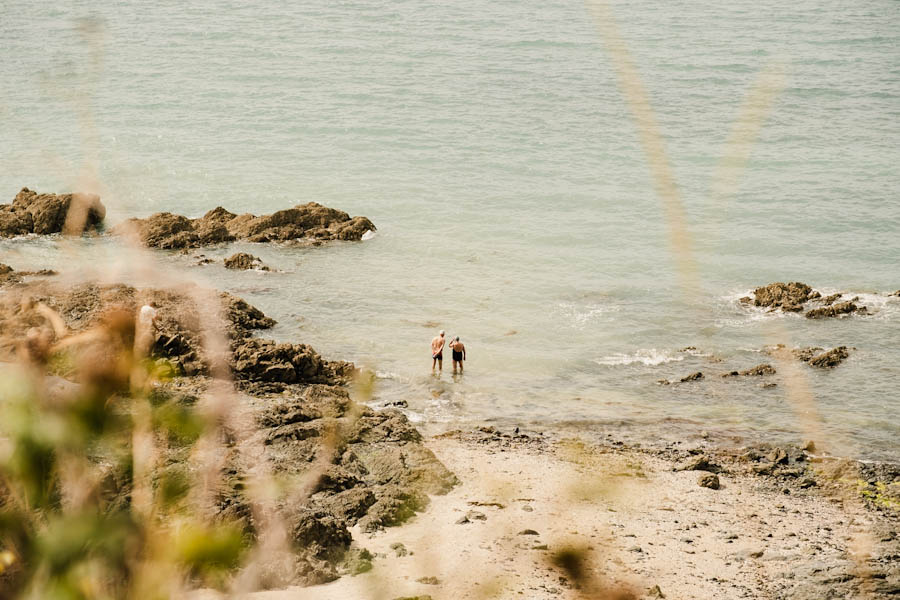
x,y
580,315
368,235
650,357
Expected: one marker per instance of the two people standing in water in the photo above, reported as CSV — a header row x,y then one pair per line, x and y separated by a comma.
x,y
437,352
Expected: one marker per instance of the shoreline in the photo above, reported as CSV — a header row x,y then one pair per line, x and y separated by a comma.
x,y
638,526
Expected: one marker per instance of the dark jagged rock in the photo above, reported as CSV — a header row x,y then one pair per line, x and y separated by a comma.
x,y
835,310
829,300
787,296
806,354
353,465
763,369
830,359
692,377
43,214
309,223
244,261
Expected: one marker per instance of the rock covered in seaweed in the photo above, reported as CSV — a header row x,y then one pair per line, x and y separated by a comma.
x,y
309,223
43,214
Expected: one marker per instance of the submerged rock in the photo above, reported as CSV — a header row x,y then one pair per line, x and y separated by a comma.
x,y
43,214
309,223
692,377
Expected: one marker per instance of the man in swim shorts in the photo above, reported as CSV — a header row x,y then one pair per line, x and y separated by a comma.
x,y
437,351
459,353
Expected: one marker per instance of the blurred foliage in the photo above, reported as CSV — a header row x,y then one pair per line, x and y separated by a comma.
x,y
90,507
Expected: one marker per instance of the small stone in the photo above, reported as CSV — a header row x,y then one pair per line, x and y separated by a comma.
x,y
527,508
809,446
540,547
709,480
528,532
757,554
655,592
399,549
635,549
429,580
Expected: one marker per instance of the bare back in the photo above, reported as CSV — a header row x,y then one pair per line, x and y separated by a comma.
x,y
437,345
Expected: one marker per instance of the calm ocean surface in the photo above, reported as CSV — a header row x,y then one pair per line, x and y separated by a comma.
x,y
492,147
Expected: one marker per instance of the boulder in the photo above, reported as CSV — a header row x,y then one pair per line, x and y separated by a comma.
x,y
787,296
44,214
841,308
830,359
763,369
309,223
244,261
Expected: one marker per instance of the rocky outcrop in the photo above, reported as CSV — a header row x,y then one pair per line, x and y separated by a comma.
x,y
786,296
795,296
8,275
830,359
244,261
43,214
814,356
835,310
763,369
310,224
348,464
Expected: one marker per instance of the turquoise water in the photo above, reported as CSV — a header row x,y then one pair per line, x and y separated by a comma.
x,y
491,145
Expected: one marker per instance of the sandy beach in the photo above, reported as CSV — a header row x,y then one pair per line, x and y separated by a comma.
x,y
531,512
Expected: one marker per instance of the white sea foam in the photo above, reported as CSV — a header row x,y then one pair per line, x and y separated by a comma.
x,y
368,235
647,356
579,315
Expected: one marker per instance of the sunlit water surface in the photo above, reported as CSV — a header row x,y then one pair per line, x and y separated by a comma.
x,y
490,144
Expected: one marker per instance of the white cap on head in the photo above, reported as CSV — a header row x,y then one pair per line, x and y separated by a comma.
x,y
442,332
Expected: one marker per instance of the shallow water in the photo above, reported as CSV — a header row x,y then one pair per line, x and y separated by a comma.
x,y
490,144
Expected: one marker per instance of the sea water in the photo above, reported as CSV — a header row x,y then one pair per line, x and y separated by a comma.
x,y
492,146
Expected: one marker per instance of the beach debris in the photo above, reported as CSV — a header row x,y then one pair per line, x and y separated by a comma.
x,y
44,214
699,463
309,224
709,480
245,261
